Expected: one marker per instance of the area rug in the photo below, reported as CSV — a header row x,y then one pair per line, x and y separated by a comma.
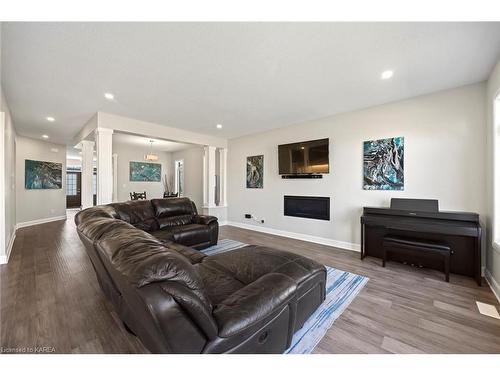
x,y
341,289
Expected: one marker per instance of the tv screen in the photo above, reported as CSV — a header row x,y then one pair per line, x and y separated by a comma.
x,y
304,157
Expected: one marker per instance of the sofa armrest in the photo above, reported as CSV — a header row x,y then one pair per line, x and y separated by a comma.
x,y
252,304
203,219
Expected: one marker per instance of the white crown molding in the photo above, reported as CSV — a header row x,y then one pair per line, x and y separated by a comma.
x,y
40,221
494,285
298,236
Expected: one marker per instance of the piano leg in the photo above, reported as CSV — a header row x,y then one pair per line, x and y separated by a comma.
x,y
362,241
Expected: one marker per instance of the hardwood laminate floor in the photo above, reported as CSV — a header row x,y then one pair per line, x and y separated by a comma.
x,y
50,298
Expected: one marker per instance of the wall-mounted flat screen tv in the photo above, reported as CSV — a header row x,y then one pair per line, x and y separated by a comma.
x,y
309,157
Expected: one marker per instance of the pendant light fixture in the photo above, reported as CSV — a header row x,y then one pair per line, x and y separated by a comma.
x,y
150,156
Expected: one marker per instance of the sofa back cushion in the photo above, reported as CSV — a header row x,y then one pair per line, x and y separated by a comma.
x,y
139,213
95,227
173,211
95,212
142,259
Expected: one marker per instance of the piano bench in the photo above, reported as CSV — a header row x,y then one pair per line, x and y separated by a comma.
x,y
417,248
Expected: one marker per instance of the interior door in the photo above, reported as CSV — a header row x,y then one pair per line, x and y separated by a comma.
x,y
73,189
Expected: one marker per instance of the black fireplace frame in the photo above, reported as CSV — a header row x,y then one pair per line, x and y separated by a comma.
x,y
286,211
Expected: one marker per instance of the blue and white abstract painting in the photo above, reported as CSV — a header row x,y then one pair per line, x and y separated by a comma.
x,y
145,172
42,175
383,164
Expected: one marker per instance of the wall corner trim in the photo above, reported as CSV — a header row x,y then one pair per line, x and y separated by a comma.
x,y
494,284
40,221
4,259
298,236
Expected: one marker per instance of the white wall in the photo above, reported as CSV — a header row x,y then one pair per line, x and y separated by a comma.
x,y
9,177
444,159
126,154
10,174
493,253
40,204
193,173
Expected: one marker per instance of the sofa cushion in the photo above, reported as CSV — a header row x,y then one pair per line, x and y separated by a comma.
x,y
173,207
253,303
188,235
139,213
192,255
95,212
95,228
143,260
220,284
249,263
174,221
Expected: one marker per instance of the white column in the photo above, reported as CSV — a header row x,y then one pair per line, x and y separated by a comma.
x,y
115,177
87,172
223,177
209,176
104,146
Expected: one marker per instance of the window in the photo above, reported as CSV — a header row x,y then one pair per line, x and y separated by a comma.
x,y
179,177
94,183
496,172
71,184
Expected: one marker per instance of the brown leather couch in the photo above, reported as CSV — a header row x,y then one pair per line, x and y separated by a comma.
x,y
172,219
177,300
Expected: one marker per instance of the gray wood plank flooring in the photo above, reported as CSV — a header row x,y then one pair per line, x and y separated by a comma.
x,y
50,298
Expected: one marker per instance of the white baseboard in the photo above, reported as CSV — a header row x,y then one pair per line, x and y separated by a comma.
x,y
494,285
40,221
297,236
4,259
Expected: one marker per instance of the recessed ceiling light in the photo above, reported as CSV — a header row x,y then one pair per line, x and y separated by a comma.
x,y
109,96
45,136
387,74
219,126
50,119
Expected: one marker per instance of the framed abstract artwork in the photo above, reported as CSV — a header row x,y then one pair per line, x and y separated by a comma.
x,y
255,172
383,164
145,172
42,175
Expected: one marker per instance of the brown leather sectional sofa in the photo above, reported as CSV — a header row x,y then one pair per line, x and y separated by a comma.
x,y
177,300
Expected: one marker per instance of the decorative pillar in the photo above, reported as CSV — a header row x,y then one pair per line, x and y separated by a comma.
x,y
104,146
115,177
209,177
223,177
87,172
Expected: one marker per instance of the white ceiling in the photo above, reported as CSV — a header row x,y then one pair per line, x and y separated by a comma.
x,y
249,77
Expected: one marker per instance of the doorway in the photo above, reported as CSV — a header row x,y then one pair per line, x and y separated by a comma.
x,y
73,189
